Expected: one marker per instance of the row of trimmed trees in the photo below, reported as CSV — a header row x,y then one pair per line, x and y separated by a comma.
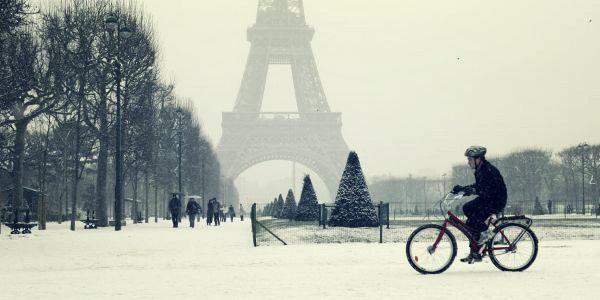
x,y
58,111
353,206
538,181
307,208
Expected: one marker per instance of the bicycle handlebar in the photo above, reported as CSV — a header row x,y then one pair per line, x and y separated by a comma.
x,y
448,200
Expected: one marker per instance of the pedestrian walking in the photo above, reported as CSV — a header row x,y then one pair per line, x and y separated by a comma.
x,y
231,212
174,208
192,210
242,212
216,212
210,210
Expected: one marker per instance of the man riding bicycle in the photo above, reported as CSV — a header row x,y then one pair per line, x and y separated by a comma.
x,y
491,191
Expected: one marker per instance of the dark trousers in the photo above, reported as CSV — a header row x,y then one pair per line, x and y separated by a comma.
x,y
217,219
241,217
175,219
192,218
477,211
231,217
209,218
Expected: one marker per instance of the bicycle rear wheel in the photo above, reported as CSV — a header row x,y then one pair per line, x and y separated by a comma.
x,y
513,248
421,254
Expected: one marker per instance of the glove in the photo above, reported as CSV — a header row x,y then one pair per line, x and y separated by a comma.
x,y
468,191
457,189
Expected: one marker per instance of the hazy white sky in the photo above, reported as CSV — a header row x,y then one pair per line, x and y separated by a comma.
x,y
416,81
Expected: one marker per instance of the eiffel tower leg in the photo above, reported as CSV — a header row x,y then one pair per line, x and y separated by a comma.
x,y
251,92
307,83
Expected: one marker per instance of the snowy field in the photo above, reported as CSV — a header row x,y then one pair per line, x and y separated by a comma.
x,y
154,261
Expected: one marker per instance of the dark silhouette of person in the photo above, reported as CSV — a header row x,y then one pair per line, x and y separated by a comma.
x,y
491,198
231,212
216,212
192,210
174,208
210,210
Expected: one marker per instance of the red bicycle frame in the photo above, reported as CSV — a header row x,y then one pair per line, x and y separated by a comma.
x,y
466,230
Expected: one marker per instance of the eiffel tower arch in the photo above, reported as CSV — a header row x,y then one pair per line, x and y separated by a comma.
x,y
311,136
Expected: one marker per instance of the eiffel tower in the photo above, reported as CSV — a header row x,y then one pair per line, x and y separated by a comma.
x,y
311,136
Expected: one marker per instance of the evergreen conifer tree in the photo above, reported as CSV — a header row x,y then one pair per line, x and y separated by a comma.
x,y
289,209
353,206
279,204
272,207
308,206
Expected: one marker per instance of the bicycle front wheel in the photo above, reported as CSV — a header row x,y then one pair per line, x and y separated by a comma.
x,y
513,248
425,255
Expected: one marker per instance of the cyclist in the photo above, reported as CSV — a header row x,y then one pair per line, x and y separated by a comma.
x,y
491,191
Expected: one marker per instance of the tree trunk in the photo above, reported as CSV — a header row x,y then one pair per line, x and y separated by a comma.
x,y
146,190
164,205
17,173
134,205
101,201
42,204
155,202
64,188
76,157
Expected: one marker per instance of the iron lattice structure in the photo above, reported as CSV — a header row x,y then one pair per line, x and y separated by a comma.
x,y
312,136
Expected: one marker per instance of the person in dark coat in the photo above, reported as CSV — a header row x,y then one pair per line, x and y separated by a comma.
x,y
491,191
174,208
216,212
231,212
192,210
210,210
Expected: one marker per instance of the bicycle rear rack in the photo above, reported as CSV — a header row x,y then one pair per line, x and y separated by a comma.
x,y
517,219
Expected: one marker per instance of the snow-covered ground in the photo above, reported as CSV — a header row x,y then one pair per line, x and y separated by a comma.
x,y
154,261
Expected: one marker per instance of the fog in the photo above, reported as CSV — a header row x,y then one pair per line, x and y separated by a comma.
x,y
416,81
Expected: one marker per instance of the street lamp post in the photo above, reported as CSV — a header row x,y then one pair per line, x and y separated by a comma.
x,y
223,189
444,179
72,47
425,197
179,150
582,148
179,155
203,194
121,32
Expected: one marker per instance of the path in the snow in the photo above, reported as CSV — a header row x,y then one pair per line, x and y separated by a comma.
x,y
154,261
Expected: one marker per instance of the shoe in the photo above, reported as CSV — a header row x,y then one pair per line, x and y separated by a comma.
x,y
484,237
473,257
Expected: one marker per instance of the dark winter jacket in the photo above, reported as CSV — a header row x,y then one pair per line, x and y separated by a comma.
x,y
192,207
489,186
174,205
210,209
231,211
